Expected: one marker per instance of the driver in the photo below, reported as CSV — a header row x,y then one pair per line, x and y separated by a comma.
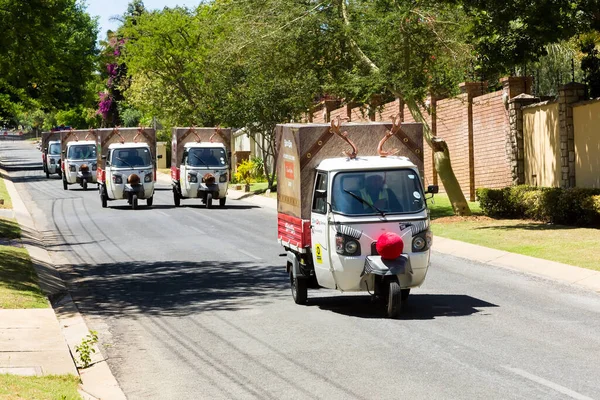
x,y
207,156
377,194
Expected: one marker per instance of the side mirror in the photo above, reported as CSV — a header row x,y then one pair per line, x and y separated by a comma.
x,y
433,189
64,151
159,156
104,157
45,149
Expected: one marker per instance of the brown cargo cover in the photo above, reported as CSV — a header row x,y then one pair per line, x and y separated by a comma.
x,y
301,147
180,136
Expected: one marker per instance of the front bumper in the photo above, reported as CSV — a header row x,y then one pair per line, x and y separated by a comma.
x,y
90,177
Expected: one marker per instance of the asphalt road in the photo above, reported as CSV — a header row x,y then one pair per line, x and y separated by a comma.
x,y
193,303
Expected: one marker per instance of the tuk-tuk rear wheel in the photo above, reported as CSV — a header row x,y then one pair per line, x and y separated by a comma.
x,y
299,289
394,302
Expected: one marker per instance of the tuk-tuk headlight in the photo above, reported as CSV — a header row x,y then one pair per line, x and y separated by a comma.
x,y
52,161
346,245
419,243
192,178
72,167
422,241
94,167
351,246
223,178
117,179
148,177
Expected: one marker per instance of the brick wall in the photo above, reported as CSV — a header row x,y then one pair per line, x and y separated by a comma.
x,y
490,130
453,127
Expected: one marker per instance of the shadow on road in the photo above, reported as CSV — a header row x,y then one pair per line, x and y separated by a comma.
x,y
141,206
171,288
417,307
225,207
37,178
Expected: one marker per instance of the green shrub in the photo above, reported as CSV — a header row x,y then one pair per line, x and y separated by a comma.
x,y
574,206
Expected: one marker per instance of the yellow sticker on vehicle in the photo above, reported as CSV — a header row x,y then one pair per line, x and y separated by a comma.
x,y
319,254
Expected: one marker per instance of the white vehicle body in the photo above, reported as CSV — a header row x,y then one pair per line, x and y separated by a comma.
x,y
200,161
53,158
345,271
342,238
123,161
78,154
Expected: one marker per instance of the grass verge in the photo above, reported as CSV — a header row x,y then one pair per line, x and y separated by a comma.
x,y
565,244
18,281
49,387
9,229
4,195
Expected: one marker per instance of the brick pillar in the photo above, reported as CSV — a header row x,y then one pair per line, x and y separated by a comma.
x,y
330,105
515,146
516,85
472,89
401,108
568,95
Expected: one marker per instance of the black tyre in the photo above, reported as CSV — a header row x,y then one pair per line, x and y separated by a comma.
x,y
134,202
299,289
103,198
149,201
394,301
176,198
404,294
222,201
209,200
84,184
65,185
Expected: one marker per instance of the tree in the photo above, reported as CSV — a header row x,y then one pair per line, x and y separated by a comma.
x,y
48,52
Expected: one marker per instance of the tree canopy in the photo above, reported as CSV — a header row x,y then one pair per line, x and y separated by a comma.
x,y
48,53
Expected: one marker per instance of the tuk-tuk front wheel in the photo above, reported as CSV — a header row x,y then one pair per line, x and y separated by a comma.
x,y
299,289
134,201
209,198
84,184
394,301
176,198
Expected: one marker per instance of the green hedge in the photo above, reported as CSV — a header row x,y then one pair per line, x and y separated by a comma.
x,y
576,206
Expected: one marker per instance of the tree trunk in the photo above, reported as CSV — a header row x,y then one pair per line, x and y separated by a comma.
x,y
441,157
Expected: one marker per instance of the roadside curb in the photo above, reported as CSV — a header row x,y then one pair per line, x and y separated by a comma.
x,y
96,379
569,274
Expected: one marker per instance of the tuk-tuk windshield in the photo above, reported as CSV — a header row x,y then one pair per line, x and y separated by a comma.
x,y
207,157
365,193
131,157
54,149
81,152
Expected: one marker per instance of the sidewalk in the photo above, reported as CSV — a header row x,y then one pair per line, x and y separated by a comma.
x,y
568,274
42,342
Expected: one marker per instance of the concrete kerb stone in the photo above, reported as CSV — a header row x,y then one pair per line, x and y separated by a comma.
x,y
98,382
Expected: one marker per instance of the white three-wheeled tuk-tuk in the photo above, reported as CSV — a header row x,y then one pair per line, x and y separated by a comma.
x,y
354,223
79,158
51,152
200,164
126,165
